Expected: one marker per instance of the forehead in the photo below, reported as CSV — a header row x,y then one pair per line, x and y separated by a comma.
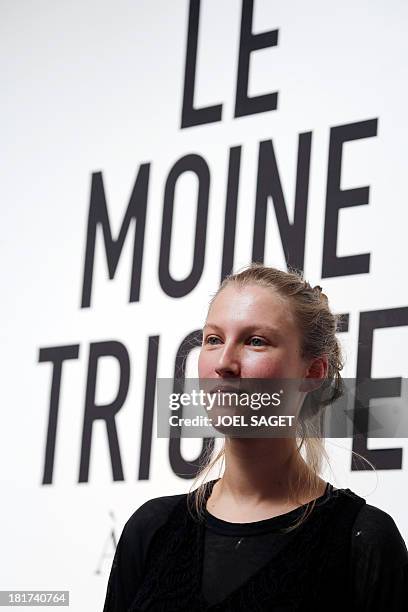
x,y
251,304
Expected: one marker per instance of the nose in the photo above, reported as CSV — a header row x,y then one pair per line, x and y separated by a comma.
x,y
228,362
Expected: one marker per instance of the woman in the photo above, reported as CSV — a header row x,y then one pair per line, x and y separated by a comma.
x,y
270,534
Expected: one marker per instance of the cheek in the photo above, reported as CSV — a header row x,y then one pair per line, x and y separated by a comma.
x,y
203,364
268,370
261,366
271,365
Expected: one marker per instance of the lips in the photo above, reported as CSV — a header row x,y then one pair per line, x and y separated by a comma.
x,y
226,389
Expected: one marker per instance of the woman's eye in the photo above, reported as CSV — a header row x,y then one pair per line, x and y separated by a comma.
x,y
259,341
210,338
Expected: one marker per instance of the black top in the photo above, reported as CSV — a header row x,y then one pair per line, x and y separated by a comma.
x,y
237,551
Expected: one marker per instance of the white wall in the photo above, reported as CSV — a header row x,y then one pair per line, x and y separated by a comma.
x,y
98,87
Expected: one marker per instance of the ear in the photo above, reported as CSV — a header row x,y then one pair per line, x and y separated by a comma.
x,y
316,373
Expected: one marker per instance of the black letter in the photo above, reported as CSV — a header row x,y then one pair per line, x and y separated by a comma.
x,y
105,412
181,467
337,198
98,214
249,42
55,354
196,164
148,408
382,458
194,116
230,218
269,185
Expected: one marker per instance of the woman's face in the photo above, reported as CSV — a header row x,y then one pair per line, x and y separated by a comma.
x,y
250,332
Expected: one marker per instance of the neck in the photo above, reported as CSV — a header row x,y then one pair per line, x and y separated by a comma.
x,y
265,470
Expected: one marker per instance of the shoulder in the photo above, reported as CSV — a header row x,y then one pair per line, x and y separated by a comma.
x,y
379,562
139,530
128,563
156,508
375,537
151,515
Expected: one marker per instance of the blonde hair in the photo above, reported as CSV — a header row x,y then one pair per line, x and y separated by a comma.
x,y
318,327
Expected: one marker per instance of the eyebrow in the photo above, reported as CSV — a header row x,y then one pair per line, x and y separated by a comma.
x,y
248,328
